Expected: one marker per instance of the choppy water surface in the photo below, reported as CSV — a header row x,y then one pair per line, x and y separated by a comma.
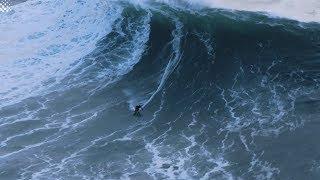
x,y
226,94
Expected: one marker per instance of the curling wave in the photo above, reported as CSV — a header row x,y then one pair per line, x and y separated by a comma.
x,y
226,94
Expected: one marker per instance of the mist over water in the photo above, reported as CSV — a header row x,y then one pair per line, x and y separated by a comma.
x,y
226,94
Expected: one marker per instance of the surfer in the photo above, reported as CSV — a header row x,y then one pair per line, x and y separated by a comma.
x,y
137,110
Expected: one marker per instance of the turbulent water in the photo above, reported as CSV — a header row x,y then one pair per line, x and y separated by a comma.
x,y
227,94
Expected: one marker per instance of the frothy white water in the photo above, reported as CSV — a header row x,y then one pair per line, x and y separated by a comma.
x,y
4,6
305,11
39,40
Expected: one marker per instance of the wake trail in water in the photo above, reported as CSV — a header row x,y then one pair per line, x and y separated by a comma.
x,y
173,61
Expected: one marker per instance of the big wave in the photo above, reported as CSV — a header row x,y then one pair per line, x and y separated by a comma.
x,y
226,94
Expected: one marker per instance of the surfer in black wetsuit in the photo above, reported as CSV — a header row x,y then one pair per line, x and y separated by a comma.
x,y
137,110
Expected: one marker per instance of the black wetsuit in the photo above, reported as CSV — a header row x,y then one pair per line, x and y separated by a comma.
x,y
137,110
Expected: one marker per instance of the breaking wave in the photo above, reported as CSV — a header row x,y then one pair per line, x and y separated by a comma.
x,y
227,94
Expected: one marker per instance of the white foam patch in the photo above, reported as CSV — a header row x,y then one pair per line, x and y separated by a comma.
x,y
40,39
5,6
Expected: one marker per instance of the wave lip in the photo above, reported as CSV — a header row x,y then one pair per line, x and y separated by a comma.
x,y
304,11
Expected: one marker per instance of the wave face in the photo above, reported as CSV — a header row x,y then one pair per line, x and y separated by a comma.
x,y
226,95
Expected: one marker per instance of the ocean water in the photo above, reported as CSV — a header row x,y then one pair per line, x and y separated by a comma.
x,y
227,94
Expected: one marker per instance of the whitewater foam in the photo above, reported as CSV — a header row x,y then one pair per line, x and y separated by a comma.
x,y
40,39
5,6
